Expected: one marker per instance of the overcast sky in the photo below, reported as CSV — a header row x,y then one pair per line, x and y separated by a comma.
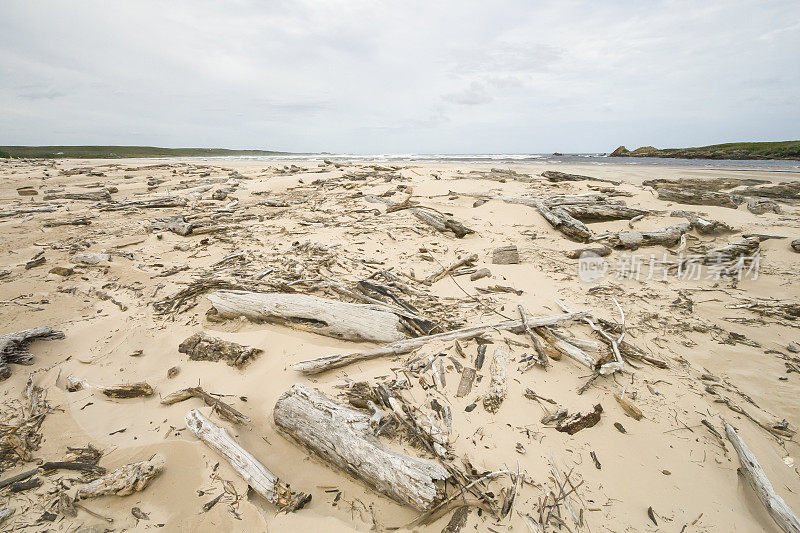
x,y
400,77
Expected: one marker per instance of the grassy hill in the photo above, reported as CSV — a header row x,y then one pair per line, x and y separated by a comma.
x,y
112,152
753,150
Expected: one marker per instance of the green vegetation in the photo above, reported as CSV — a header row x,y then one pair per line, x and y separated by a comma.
x,y
113,152
754,150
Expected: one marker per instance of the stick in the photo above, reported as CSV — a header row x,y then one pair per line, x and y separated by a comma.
x,y
436,276
254,473
322,364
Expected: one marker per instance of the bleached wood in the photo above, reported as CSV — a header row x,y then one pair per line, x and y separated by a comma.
x,y
14,346
780,512
498,387
568,349
344,438
125,480
633,239
252,471
442,272
355,322
322,364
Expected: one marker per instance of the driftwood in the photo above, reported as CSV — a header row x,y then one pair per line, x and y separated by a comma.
x,y
759,206
730,253
439,274
356,322
134,390
149,203
343,437
254,473
565,348
94,196
14,346
505,255
555,176
498,388
441,222
633,239
600,251
26,210
202,347
223,409
603,212
699,197
706,184
574,423
322,364
703,225
796,245
89,258
176,224
564,222
780,512
781,191
467,379
125,480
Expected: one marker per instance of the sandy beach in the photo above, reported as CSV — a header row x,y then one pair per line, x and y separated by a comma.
x,y
707,351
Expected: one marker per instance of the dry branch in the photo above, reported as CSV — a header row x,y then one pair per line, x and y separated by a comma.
x,y
125,480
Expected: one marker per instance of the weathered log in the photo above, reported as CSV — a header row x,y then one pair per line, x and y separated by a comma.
x,y
633,239
176,224
562,221
565,348
89,258
467,379
94,196
498,388
14,346
341,320
759,206
441,222
555,176
27,210
603,212
480,273
781,191
223,409
706,184
600,251
125,480
703,225
732,252
148,203
344,438
202,347
125,391
699,197
254,473
777,508
322,364
442,272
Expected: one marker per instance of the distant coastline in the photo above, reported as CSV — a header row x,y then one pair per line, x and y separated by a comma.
x,y
119,152
746,150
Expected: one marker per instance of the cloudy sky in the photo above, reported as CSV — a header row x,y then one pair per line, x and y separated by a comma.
x,y
399,77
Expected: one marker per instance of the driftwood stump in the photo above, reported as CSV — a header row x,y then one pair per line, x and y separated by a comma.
x,y
14,346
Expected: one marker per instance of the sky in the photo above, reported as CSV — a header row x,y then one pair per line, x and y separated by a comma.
x,y
400,77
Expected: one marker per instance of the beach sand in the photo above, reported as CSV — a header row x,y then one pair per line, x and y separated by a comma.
x,y
667,461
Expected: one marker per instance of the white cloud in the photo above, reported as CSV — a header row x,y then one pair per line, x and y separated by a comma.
x,y
570,75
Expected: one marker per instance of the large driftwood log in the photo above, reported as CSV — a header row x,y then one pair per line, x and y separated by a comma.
x,y
356,322
703,225
633,239
124,480
759,206
95,196
498,387
148,203
699,197
202,347
555,176
344,438
441,222
254,473
732,252
780,191
758,480
603,212
322,364
14,346
706,184
561,220
176,224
